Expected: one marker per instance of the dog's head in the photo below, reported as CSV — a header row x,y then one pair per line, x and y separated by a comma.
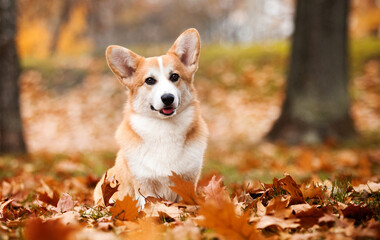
x,y
158,86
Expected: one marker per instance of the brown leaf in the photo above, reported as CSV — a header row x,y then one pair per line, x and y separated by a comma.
x,y
37,229
126,209
327,218
185,189
108,190
357,212
3,208
277,207
223,219
309,214
267,221
52,200
65,203
312,191
288,184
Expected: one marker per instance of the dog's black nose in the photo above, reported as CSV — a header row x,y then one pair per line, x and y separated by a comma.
x,y
167,98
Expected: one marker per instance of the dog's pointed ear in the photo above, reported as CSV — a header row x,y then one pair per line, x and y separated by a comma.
x,y
123,63
187,48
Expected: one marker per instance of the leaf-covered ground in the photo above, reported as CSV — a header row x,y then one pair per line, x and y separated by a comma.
x,y
50,197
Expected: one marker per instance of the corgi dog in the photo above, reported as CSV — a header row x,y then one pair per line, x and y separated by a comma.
x,y
162,130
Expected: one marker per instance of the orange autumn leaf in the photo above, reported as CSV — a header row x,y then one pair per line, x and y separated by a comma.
x,y
222,218
147,229
108,190
184,189
126,209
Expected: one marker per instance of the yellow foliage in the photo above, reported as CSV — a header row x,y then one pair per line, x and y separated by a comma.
x,y
33,38
72,41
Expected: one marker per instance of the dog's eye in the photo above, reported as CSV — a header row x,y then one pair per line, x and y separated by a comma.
x,y
174,77
150,81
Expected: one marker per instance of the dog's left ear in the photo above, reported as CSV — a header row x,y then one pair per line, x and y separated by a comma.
x,y
187,48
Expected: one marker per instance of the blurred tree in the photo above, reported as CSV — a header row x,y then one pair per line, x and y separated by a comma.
x,y
317,106
11,136
64,16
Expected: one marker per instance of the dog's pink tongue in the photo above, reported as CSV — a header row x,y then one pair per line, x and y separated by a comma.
x,y
167,110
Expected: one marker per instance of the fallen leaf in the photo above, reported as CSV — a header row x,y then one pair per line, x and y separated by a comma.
x,y
183,188
215,190
357,212
327,218
153,209
288,184
369,187
52,200
268,221
65,203
312,191
37,229
223,219
309,214
187,231
126,209
147,230
3,206
277,207
108,190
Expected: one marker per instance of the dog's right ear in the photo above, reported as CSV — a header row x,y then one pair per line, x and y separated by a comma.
x,y
123,63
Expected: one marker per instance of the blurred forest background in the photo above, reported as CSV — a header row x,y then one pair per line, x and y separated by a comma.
x,y
72,104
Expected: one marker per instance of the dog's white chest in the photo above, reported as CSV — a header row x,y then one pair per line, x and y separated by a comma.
x,y
163,148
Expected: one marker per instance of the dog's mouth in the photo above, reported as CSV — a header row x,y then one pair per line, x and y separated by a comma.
x,y
167,111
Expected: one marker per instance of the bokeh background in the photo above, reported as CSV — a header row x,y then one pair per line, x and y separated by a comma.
x,y
71,103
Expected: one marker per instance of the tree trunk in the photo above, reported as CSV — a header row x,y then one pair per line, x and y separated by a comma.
x,y
11,136
317,101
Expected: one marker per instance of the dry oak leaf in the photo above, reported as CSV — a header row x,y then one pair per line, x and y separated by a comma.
x,y
288,184
126,209
312,191
37,229
357,212
267,221
184,189
221,217
108,190
215,190
154,209
65,203
309,214
277,207
52,200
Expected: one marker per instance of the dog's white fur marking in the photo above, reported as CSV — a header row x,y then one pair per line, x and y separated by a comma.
x,y
159,59
164,149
